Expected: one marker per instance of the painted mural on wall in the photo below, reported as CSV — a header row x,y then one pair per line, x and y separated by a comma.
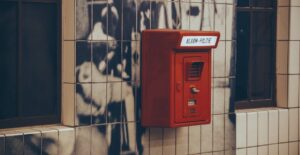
x,y
108,52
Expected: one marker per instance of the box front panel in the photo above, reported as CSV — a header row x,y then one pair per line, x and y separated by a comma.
x,y
192,87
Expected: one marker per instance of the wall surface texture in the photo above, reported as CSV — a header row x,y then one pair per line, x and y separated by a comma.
x,y
101,90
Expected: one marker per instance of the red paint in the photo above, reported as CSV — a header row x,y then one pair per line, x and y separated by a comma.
x,y
170,73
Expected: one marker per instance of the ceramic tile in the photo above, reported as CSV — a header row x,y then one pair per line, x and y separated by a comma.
x,y
68,61
129,19
283,3
100,59
83,20
32,143
273,149
185,15
209,153
241,152
262,127
218,132
99,103
14,143
127,51
68,19
68,106
230,11
219,57
273,126
196,21
194,139
113,137
295,24
263,150
83,62
218,95
169,141
99,24
241,128
230,132
128,138
283,23
50,141
282,90
144,15
230,152
159,17
230,58
98,139
293,148
145,140
282,57
228,95
114,68
251,129
294,56
220,20
283,123
66,142
206,137
252,150
156,141
83,140
219,153
83,104
293,124
182,135
114,101
295,3
283,148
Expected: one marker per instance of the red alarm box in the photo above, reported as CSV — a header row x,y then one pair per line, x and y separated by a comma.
x,y
176,77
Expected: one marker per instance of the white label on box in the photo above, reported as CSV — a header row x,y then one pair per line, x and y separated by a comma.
x,y
198,41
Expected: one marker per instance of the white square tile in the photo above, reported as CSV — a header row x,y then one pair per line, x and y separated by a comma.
x,y
68,70
230,132
156,141
282,57
252,150
293,124
241,152
206,138
218,132
262,127
283,149
68,12
295,23
263,150
293,148
194,139
68,104
169,141
218,96
283,23
182,135
219,60
146,142
283,3
185,18
294,48
282,90
229,21
273,149
251,129
241,128
273,126
283,123
220,20
295,2
230,58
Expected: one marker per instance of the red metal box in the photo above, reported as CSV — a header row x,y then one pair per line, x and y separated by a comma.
x,y
176,77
